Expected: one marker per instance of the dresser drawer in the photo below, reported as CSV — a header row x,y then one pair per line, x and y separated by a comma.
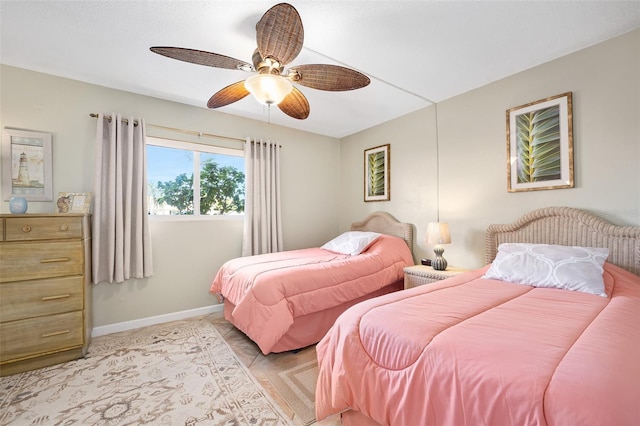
x,y
34,336
29,261
25,228
25,299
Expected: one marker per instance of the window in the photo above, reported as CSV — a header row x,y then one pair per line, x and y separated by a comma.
x,y
177,170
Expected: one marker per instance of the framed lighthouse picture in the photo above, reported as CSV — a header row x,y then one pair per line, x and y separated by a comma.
x,y
26,165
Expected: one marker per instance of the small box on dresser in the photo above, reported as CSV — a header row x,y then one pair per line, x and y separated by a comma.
x,y
420,274
45,290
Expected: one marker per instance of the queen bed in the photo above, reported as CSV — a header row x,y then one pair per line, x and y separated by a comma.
x,y
288,300
548,333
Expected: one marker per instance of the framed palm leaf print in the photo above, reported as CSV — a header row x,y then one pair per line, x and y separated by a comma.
x,y
540,145
376,173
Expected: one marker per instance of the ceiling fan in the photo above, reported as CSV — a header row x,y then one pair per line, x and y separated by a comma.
x,y
279,36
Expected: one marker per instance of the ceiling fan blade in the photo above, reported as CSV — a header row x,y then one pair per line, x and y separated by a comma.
x,y
328,77
295,105
230,94
279,33
201,57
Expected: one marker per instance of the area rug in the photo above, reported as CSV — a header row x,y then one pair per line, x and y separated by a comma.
x,y
178,373
294,377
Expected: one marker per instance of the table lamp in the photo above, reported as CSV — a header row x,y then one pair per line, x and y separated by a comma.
x,y
438,234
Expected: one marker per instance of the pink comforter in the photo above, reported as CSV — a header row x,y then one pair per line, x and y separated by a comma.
x,y
472,351
270,290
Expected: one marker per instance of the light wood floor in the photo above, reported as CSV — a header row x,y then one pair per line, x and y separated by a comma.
x,y
249,353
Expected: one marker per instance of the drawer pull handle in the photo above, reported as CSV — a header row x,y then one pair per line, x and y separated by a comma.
x,y
26,228
59,296
64,228
55,333
55,259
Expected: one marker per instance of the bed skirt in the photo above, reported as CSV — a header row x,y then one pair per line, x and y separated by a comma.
x,y
308,329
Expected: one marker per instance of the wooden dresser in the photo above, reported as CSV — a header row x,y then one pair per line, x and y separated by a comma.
x,y
45,290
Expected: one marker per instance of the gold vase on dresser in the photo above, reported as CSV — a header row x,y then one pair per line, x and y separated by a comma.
x,y
45,290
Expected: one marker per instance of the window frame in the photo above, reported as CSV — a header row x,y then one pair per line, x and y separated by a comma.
x,y
196,148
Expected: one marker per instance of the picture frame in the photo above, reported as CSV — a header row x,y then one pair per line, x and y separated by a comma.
x,y
377,173
540,145
73,202
26,165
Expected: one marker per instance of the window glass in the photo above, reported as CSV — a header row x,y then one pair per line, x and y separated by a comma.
x,y
221,178
177,170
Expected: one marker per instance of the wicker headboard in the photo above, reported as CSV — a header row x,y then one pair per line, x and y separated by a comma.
x,y
569,227
384,223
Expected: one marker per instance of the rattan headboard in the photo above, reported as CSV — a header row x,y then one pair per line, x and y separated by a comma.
x,y
384,223
569,227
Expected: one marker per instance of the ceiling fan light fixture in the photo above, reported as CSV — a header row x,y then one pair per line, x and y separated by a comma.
x,y
279,39
268,89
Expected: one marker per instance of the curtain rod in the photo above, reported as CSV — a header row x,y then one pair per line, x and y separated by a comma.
x,y
190,132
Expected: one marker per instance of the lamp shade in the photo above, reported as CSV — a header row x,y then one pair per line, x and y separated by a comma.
x,y
438,233
268,89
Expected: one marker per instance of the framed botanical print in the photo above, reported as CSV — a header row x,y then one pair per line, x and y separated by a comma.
x,y
540,145
376,173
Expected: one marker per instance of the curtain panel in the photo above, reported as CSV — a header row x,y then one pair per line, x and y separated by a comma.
x,y
262,209
121,240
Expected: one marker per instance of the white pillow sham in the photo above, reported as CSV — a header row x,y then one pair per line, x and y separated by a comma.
x,y
352,242
551,266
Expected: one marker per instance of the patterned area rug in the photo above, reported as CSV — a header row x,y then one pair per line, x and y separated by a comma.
x,y
178,373
299,388
294,377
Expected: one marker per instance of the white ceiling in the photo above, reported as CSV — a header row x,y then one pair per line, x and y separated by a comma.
x,y
415,52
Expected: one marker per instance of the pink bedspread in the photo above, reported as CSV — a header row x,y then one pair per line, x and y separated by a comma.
x,y
472,351
270,290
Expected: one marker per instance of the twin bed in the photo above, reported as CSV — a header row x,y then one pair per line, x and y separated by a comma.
x,y
288,300
481,348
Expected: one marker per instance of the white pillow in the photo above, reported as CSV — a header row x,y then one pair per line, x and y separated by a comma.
x,y
552,266
352,242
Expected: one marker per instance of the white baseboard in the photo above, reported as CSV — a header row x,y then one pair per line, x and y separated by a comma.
x,y
158,319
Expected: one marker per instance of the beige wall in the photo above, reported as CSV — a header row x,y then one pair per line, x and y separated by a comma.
x,y
186,254
605,81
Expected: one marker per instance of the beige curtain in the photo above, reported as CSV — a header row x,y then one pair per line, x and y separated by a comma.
x,y
121,240
262,209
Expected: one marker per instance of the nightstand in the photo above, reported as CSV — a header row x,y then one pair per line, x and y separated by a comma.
x,y
420,274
